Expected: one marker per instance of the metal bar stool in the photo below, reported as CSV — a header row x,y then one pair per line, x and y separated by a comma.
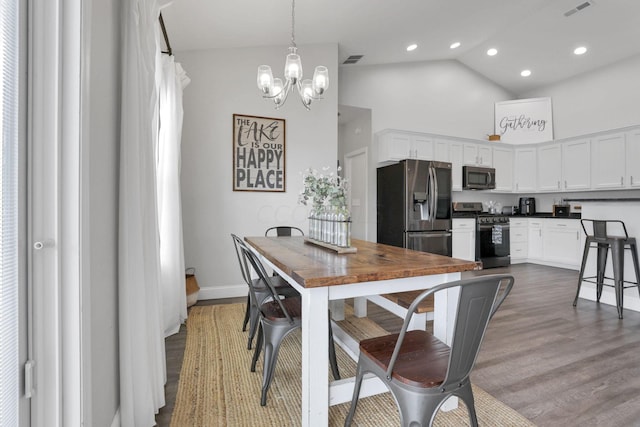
x,y
601,240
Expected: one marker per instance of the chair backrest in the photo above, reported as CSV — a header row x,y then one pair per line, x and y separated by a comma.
x,y
479,299
253,260
599,228
244,267
283,230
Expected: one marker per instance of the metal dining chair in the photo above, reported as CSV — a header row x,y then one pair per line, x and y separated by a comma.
x,y
284,230
281,230
420,370
278,318
261,293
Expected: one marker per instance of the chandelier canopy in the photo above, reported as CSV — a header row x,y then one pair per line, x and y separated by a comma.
x,y
308,89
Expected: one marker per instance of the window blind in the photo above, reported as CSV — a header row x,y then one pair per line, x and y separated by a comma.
x,y
9,358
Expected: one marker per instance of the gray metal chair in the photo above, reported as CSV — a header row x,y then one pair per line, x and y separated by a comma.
x,y
603,241
421,371
284,230
282,287
281,230
278,318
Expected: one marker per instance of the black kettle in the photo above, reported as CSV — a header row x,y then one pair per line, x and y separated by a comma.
x,y
527,206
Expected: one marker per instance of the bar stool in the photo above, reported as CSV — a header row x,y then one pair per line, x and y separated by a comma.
x,y
617,244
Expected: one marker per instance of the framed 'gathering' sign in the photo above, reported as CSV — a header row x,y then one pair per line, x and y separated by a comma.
x,y
524,121
258,153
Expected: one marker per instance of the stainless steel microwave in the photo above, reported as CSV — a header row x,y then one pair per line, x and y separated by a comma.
x,y
478,178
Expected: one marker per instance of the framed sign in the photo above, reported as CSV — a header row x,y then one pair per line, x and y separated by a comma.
x,y
524,121
258,153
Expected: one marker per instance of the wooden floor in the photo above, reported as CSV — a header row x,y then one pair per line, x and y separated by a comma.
x,y
555,364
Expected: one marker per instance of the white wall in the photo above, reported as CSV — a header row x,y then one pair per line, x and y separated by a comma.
x,y
442,97
223,82
604,99
100,212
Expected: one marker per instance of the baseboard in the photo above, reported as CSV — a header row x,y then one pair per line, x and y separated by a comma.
x,y
631,299
219,292
116,419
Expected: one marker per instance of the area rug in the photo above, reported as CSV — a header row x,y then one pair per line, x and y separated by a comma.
x,y
216,387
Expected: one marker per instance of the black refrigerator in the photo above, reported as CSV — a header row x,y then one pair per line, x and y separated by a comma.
x,y
414,205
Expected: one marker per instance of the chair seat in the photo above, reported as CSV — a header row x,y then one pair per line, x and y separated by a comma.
x,y
432,353
272,311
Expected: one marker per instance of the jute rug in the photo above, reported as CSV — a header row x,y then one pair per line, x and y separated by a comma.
x,y
216,387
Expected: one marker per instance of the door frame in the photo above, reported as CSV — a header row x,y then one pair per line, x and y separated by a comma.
x,y
348,169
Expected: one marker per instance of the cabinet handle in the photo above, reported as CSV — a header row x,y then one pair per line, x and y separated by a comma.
x,y
562,225
577,235
558,185
622,180
631,180
565,183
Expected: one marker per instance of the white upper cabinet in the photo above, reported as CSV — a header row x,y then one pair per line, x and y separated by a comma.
x,y
599,161
503,163
608,161
633,158
456,157
421,147
550,167
477,154
394,146
441,150
576,165
524,164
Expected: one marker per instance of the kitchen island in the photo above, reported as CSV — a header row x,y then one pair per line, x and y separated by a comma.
x,y
627,210
321,275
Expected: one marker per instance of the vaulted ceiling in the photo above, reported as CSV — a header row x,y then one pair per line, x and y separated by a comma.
x,y
539,35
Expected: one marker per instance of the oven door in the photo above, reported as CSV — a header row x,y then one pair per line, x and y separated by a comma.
x,y
492,245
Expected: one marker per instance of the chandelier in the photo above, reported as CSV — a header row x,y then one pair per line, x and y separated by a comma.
x,y
308,89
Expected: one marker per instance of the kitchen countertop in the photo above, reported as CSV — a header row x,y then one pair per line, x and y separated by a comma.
x,y
613,199
537,215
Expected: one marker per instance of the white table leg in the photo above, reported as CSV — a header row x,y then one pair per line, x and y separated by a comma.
x,y
360,306
315,357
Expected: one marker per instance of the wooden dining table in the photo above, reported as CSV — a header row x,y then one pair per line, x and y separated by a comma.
x,y
322,275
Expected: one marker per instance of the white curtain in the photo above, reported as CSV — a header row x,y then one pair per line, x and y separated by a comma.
x,y
174,301
142,355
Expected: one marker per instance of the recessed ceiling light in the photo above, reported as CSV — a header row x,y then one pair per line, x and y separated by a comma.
x,y
411,47
454,45
525,73
580,50
493,51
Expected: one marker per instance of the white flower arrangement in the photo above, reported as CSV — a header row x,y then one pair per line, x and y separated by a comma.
x,y
323,190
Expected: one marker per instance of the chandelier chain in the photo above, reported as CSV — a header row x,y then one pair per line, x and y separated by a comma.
x,y
293,23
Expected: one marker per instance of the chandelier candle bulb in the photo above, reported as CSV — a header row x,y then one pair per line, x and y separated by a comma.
x,y
265,79
320,79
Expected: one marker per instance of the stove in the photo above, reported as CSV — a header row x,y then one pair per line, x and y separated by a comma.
x,y
492,219
492,234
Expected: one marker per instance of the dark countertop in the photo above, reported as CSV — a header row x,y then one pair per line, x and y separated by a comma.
x,y
619,199
549,215
537,215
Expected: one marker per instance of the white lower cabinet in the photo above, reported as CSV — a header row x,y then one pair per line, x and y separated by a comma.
x,y
556,242
463,238
518,240
535,240
562,242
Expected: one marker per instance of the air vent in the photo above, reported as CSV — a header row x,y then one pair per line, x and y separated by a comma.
x,y
578,8
353,59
